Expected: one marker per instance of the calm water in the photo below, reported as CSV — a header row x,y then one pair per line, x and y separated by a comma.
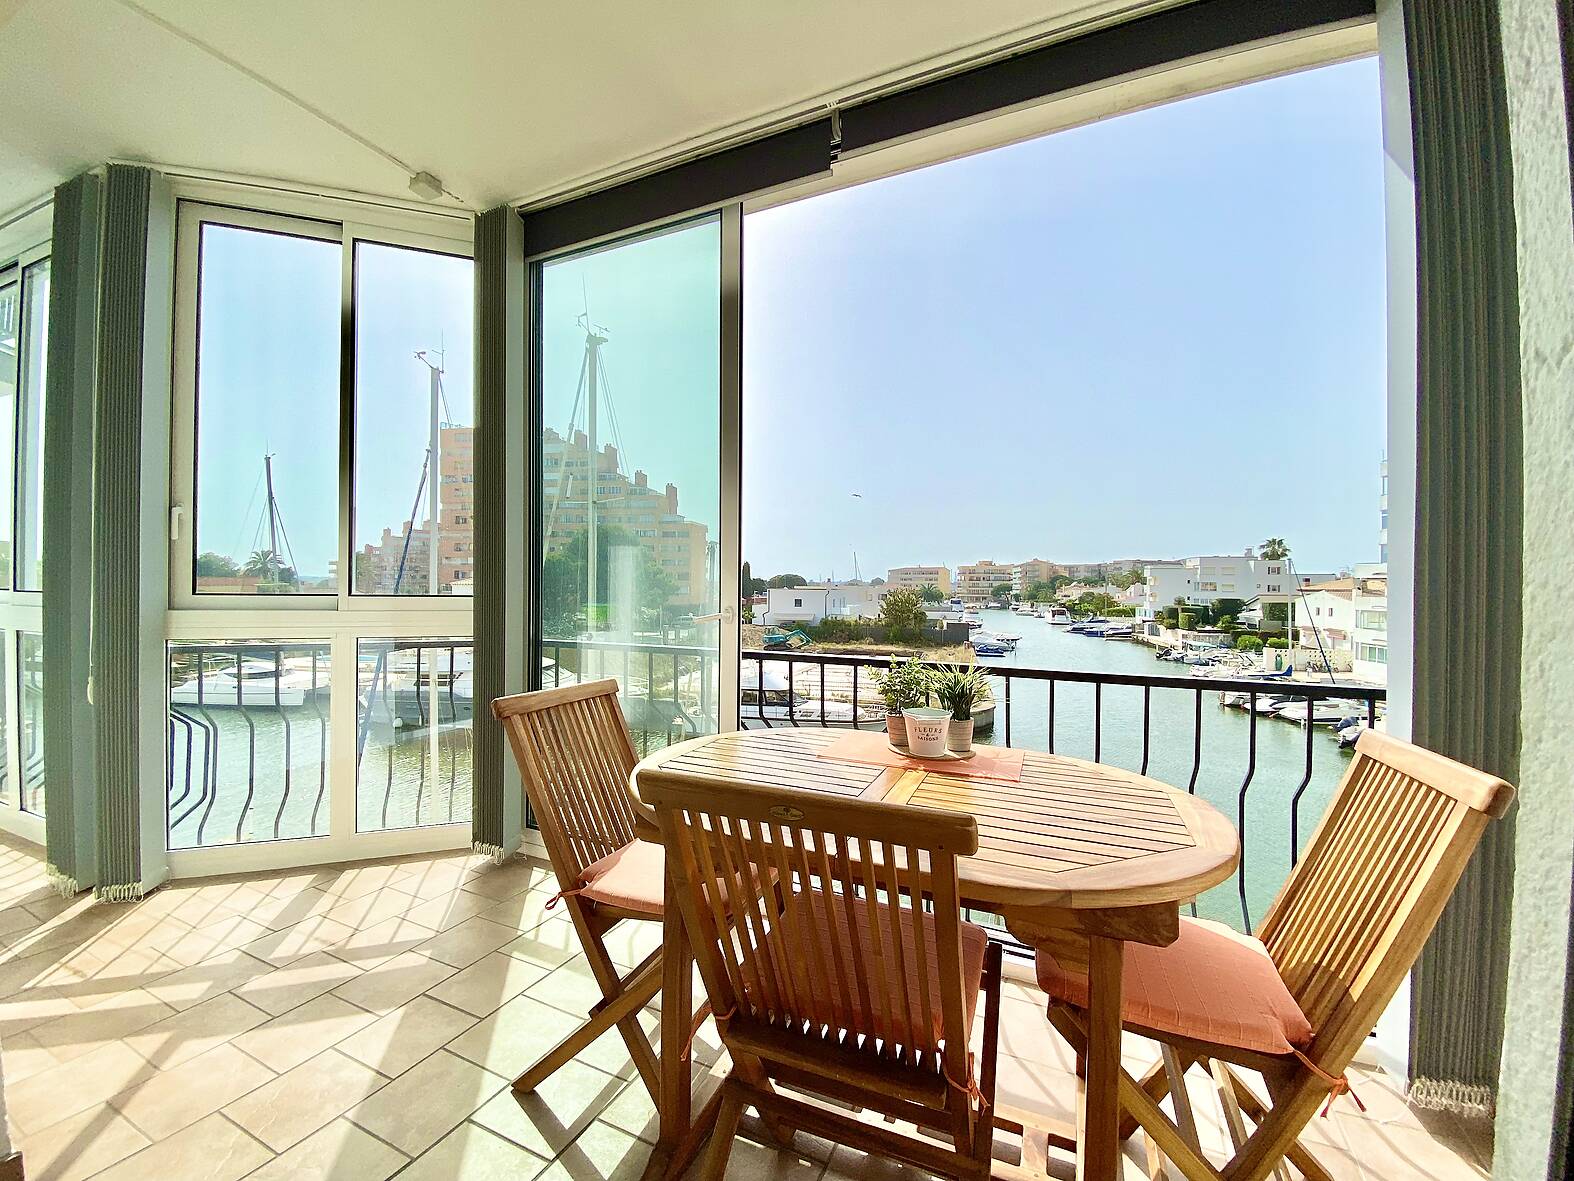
x,y
1281,750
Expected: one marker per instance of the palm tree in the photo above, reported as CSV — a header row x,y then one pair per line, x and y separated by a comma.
x,y
930,593
1274,549
262,563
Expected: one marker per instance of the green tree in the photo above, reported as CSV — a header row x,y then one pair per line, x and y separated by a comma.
x,y
780,581
1274,549
211,565
902,612
262,563
1094,603
930,593
1001,592
1248,644
564,576
1129,579
1043,590
748,585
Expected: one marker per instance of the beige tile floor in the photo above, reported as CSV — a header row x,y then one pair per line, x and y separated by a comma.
x,y
364,1021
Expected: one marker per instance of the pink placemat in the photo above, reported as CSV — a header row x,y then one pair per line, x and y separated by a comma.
x,y
988,762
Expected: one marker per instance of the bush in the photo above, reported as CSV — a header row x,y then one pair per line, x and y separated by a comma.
x,y
1187,621
903,612
1248,644
1226,622
837,631
1277,642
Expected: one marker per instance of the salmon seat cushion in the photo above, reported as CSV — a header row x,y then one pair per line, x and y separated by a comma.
x,y
1213,984
630,878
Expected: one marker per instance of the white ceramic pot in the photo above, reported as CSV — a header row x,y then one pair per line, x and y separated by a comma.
x,y
896,729
959,736
926,732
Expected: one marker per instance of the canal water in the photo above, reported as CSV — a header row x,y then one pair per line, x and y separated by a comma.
x,y
1262,812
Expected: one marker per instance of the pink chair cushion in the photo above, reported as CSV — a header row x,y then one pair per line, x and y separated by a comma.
x,y
631,878
1212,984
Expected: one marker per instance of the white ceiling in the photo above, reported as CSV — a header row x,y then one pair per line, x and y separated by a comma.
x,y
503,100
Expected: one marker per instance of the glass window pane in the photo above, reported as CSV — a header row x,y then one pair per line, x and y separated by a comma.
x,y
30,428
248,742
630,345
414,315
413,742
10,353
267,413
30,708
5,745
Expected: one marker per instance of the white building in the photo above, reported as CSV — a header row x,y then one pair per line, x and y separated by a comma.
x,y
810,604
1204,580
975,583
1349,618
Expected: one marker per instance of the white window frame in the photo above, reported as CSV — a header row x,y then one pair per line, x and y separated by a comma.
x,y
20,610
340,619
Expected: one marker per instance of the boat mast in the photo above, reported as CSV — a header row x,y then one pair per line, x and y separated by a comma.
x,y
435,386
273,521
593,343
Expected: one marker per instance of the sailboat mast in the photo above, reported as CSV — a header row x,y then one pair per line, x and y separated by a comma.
x,y
435,381
593,343
273,522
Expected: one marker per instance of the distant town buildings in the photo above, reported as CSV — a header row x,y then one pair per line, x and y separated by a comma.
x,y
1346,621
680,546
974,583
400,561
917,577
1206,579
1025,574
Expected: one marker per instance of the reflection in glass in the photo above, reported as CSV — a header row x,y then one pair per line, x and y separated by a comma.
x,y
413,733
5,749
414,312
248,742
631,398
267,413
30,428
10,352
30,711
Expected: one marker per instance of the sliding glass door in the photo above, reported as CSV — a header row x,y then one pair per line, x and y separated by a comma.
x,y
638,476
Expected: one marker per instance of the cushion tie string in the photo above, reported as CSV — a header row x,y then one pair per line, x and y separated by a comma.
x,y
1337,1084
562,894
971,1090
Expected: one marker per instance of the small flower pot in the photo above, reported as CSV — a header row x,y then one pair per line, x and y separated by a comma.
x,y
896,729
959,736
926,732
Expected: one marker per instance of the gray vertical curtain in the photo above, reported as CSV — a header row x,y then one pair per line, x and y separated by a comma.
x,y
70,817
502,584
130,538
1469,513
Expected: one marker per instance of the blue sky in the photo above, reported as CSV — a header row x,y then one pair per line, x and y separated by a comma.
x,y
1158,335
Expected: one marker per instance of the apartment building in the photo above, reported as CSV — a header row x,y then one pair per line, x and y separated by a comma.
x,y
916,577
975,582
1025,574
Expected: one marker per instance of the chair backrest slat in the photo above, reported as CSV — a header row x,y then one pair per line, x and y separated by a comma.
x,y
767,878
1351,919
575,757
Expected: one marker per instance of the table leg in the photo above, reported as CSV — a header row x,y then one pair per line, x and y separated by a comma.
x,y
1100,1157
677,1012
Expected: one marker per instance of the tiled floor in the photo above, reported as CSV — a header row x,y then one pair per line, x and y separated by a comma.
x,y
364,1021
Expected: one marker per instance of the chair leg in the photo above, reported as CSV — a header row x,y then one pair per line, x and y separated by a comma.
x,y
1185,1118
713,1167
617,1010
1297,1154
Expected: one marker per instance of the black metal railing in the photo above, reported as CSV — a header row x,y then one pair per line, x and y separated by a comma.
x,y
668,691
415,704
263,694
848,683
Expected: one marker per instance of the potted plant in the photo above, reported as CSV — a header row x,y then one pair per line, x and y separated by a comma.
x,y
904,686
958,689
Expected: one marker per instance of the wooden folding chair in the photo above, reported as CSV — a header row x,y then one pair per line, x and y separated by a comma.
x,y
1296,1003
826,972
575,757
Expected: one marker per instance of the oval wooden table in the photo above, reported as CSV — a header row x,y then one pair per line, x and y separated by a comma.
x,y
1074,856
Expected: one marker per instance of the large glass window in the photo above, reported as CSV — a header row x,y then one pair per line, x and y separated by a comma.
x,y
630,372
30,707
10,356
249,737
30,428
267,411
413,733
414,426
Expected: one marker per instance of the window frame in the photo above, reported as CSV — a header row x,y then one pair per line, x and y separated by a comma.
x,y
191,216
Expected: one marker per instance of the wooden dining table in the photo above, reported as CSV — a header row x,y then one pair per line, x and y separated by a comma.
x,y
1076,857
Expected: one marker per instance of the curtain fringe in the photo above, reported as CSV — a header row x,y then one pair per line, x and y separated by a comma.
x,y
497,853
127,892
61,882
1431,1094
